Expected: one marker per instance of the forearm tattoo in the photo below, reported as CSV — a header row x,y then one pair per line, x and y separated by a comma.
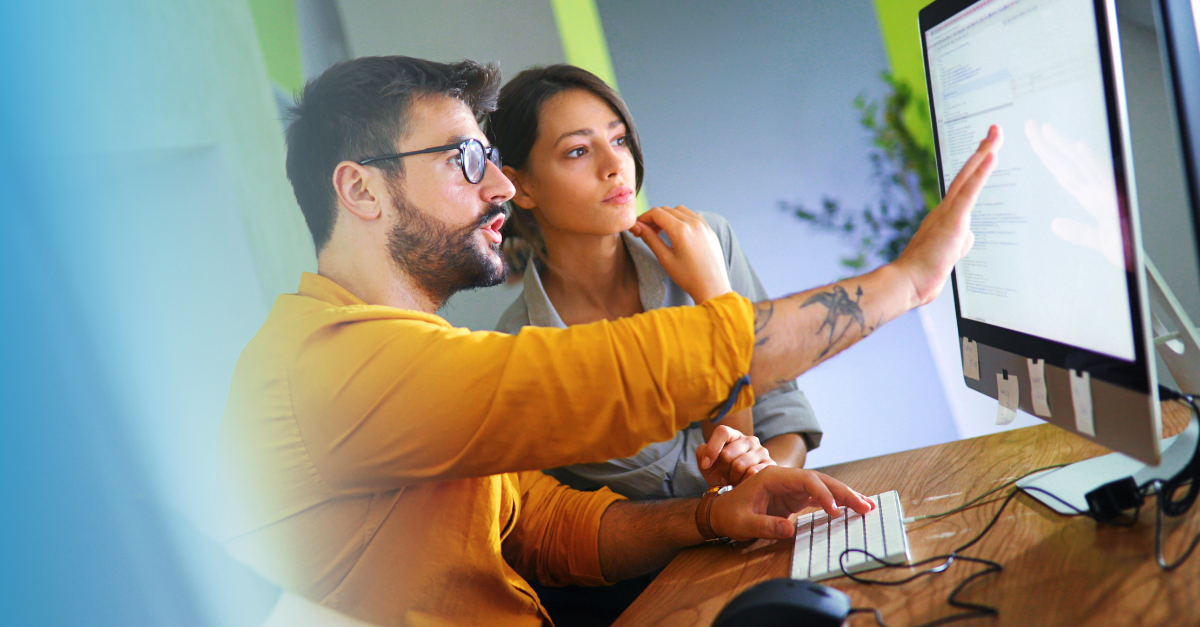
x,y
838,306
762,316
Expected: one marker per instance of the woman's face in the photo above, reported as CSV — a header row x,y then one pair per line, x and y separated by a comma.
x,y
580,174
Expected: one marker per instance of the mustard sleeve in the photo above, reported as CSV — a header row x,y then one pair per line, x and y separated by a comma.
x,y
556,539
386,402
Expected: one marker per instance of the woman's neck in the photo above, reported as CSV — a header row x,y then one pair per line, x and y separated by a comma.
x,y
590,277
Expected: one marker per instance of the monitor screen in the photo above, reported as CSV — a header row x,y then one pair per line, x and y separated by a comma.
x,y
1052,256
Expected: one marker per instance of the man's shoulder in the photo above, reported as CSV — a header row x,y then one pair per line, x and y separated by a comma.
x,y
515,317
295,319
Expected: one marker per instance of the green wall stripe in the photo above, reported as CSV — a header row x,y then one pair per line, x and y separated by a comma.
x,y
278,33
902,40
582,37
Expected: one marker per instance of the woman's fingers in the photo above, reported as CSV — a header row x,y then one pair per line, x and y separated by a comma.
x,y
647,234
661,217
754,470
716,444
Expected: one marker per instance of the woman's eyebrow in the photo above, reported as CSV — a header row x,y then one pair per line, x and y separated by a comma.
x,y
585,132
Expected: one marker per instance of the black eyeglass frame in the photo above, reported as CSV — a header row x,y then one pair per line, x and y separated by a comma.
x,y
490,153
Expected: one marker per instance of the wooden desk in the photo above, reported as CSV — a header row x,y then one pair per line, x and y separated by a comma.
x,y
1057,570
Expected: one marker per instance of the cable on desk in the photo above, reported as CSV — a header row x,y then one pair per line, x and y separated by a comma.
x,y
976,501
973,610
1167,504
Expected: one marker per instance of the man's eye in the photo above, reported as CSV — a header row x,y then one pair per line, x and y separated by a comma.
x,y
577,152
456,161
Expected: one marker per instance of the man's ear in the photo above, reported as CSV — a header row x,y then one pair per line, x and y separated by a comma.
x,y
358,189
522,198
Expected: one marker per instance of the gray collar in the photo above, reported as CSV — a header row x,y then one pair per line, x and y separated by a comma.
x,y
652,287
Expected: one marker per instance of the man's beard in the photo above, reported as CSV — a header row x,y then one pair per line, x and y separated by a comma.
x,y
443,260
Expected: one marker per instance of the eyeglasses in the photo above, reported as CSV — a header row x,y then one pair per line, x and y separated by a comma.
x,y
472,156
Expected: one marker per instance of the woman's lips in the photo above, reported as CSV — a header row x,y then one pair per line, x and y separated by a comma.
x,y
619,196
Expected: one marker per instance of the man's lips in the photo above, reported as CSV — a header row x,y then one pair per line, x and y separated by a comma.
x,y
619,196
492,228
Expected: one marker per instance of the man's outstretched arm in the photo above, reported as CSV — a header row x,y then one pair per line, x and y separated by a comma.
x,y
797,332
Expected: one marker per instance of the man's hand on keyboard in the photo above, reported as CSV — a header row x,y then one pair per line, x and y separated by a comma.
x,y
758,508
730,457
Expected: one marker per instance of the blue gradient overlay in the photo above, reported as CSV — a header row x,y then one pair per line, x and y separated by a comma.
x,y
145,225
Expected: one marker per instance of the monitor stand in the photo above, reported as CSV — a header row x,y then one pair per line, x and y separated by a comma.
x,y
1180,350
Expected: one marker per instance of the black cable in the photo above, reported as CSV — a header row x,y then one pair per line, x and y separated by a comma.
x,y
976,501
974,610
1114,522
1167,504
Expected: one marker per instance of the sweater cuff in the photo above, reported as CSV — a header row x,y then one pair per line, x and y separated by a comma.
x,y
733,349
584,560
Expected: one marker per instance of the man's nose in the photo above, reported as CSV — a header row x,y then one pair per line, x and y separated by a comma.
x,y
495,188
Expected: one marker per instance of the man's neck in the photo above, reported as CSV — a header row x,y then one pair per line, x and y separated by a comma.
x,y
590,272
375,281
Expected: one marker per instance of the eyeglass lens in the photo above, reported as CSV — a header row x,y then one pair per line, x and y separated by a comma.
x,y
475,159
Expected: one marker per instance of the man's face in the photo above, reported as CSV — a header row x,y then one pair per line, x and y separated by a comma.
x,y
445,231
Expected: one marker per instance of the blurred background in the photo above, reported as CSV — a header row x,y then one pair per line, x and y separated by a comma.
x,y
147,226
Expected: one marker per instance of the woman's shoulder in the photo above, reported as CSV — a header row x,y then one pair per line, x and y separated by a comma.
x,y
721,227
515,317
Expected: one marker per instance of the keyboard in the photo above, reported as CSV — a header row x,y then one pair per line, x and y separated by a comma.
x,y
821,540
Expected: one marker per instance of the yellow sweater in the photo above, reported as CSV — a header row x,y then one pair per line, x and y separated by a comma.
x,y
384,464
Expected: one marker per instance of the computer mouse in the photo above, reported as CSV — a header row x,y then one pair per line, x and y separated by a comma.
x,y
780,602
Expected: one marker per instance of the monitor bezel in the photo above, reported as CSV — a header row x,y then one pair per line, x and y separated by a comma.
x,y
1134,375
1181,60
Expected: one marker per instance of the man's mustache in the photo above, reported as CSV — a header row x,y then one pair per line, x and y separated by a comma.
x,y
491,212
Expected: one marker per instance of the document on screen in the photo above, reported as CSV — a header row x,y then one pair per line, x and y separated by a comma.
x,y
1050,254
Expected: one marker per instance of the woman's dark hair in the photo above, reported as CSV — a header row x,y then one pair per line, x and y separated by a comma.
x,y
513,127
358,109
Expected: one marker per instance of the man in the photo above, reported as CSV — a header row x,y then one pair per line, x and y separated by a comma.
x,y
385,464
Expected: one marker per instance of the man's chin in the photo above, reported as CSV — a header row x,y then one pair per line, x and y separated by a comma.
x,y
496,272
499,269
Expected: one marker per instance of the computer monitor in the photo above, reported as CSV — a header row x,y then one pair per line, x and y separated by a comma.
x,y
1052,302
1055,275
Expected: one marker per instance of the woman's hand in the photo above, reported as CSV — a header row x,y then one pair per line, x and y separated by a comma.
x,y
730,457
694,259
758,508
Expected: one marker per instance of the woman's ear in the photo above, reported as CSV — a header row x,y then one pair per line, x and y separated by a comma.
x,y
523,197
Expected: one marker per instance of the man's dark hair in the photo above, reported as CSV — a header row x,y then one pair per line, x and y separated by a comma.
x,y
513,128
358,109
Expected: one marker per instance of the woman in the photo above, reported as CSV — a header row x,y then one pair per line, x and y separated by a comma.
x,y
572,152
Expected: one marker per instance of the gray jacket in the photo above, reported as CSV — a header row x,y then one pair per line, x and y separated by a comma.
x,y
668,469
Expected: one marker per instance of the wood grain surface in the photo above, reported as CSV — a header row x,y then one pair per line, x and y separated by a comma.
x,y
1058,570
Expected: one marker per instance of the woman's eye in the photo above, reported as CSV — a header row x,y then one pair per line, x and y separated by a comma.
x,y
577,152
621,141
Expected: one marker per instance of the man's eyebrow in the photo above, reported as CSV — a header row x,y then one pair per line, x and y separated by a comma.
x,y
585,132
453,140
